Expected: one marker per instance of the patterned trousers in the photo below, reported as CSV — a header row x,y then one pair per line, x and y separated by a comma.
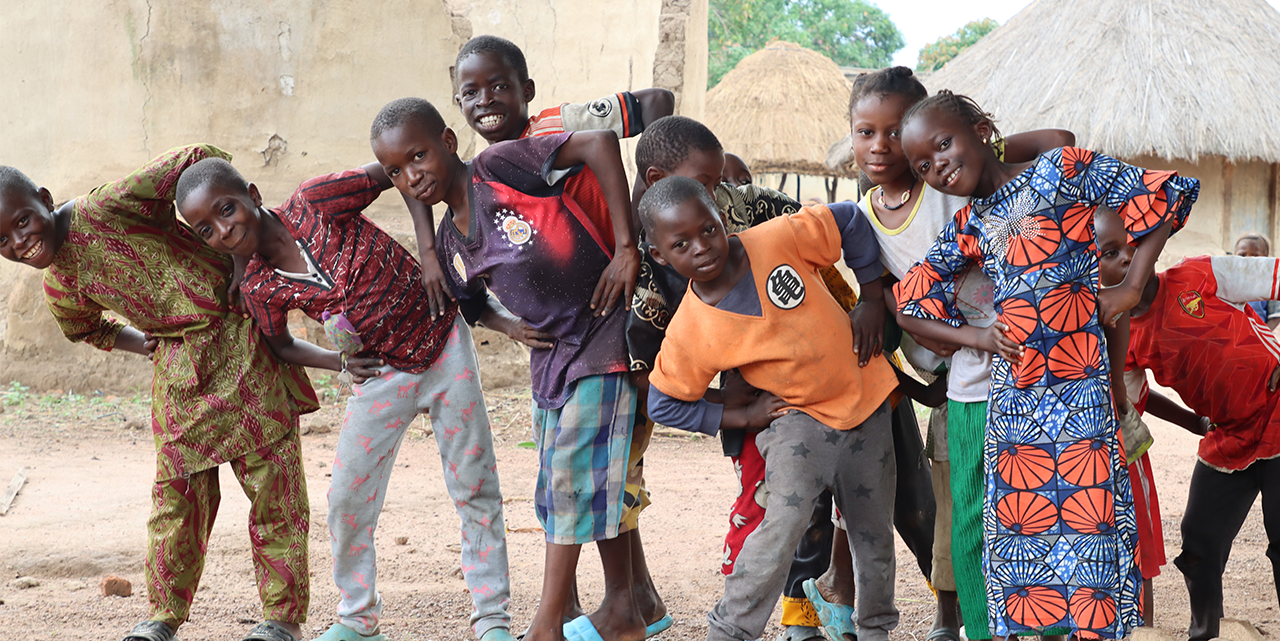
x,y
182,513
378,416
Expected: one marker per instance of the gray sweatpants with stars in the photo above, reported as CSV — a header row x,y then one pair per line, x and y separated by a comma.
x,y
802,458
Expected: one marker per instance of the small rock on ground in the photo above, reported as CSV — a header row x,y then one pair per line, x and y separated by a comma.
x,y
24,582
112,585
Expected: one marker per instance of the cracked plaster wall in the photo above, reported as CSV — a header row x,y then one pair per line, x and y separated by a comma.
x,y
94,89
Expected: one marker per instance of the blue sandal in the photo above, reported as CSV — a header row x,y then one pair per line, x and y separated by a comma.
x,y
836,619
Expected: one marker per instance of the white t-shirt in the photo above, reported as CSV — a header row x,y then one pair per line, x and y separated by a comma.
x,y
905,246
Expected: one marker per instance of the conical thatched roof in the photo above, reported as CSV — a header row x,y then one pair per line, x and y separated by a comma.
x,y
1169,78
780,108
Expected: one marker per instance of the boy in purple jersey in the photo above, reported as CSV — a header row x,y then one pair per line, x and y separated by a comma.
x,y
510,227
318,253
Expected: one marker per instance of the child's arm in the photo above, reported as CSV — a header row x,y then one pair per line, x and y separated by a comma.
x,y
1163,407
497,317
424,230
1117,350
599,150
655,103
708,417
862,255
1025,146
296,352
131,339
932,395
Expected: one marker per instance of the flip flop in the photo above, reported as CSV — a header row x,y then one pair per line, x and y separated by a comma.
x,y
836,619
659,626
339,632
943,634
581,629
268,631
151,631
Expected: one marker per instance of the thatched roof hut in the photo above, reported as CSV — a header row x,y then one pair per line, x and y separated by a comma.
x,y
1186,84
780,108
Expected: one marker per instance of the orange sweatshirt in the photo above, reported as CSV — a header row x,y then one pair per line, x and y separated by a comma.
x,y
800,349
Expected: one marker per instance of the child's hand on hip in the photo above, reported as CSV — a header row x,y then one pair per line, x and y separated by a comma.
x,y
995,339
618,279
1274,382
521,331
868,328
762,411
438,293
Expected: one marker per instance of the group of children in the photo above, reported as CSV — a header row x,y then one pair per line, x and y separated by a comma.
x,y
1015,275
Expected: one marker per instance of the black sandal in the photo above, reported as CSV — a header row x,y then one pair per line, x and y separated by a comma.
x,y
268,631
151,631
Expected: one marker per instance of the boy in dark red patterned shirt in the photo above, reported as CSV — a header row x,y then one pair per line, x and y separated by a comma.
x,y
320,254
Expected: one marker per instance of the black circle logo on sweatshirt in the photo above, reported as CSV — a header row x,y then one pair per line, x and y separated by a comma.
x,y
785,287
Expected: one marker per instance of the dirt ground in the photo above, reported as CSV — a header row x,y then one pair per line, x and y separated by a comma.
x,y
83,510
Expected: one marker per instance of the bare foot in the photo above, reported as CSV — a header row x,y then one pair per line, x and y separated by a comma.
x,y
618,619
541,630
648,602
837,587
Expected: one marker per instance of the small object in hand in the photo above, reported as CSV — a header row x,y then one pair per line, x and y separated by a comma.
x,y
345,379
341,333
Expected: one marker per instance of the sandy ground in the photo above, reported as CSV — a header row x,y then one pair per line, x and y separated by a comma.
x,y
83,511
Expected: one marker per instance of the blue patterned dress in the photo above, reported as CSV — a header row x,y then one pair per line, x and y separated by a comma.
x,y
1058,519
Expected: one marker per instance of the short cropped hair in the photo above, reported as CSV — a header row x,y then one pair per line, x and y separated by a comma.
x,y
210,171
668,193
1253,235
964,108
667,142
397,113
503,48
12,179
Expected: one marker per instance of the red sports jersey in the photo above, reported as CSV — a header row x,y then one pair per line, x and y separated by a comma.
x,y
619,112
1198,340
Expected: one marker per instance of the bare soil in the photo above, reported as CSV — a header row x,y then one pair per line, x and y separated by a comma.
x,y
82,514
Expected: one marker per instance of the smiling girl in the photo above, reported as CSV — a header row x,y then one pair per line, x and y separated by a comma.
x,y
1058,515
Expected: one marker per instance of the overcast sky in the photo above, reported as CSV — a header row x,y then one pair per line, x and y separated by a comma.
x,y
923,21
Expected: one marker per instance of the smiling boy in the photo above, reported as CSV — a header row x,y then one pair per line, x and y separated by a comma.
x,y
511,229
219,396
320,254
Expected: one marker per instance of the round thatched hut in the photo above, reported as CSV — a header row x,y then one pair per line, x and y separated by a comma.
x,y
1189,85
779,109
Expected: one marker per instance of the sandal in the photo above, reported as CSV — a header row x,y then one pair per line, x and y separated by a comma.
x,y
268,631
151,631
837,619
943,634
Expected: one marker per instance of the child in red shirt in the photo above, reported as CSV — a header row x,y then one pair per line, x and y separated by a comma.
x,y
1190,329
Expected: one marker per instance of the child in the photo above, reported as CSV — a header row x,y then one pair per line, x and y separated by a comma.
x,y
547,263
1058,521
493,92
907,216
1189,330
736,173
679,146
218,396
318,253
757,304
1255,244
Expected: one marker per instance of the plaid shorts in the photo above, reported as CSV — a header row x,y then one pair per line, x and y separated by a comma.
x,y
583,448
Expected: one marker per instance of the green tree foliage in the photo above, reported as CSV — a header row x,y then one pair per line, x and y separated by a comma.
x,y
850,32
940,52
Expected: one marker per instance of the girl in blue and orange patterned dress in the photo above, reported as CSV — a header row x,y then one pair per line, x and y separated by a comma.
x,y
1057,516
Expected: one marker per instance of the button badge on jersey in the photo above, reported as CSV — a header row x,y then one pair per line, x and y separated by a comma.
x,y
518,231
785,287
1192,303
601,108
